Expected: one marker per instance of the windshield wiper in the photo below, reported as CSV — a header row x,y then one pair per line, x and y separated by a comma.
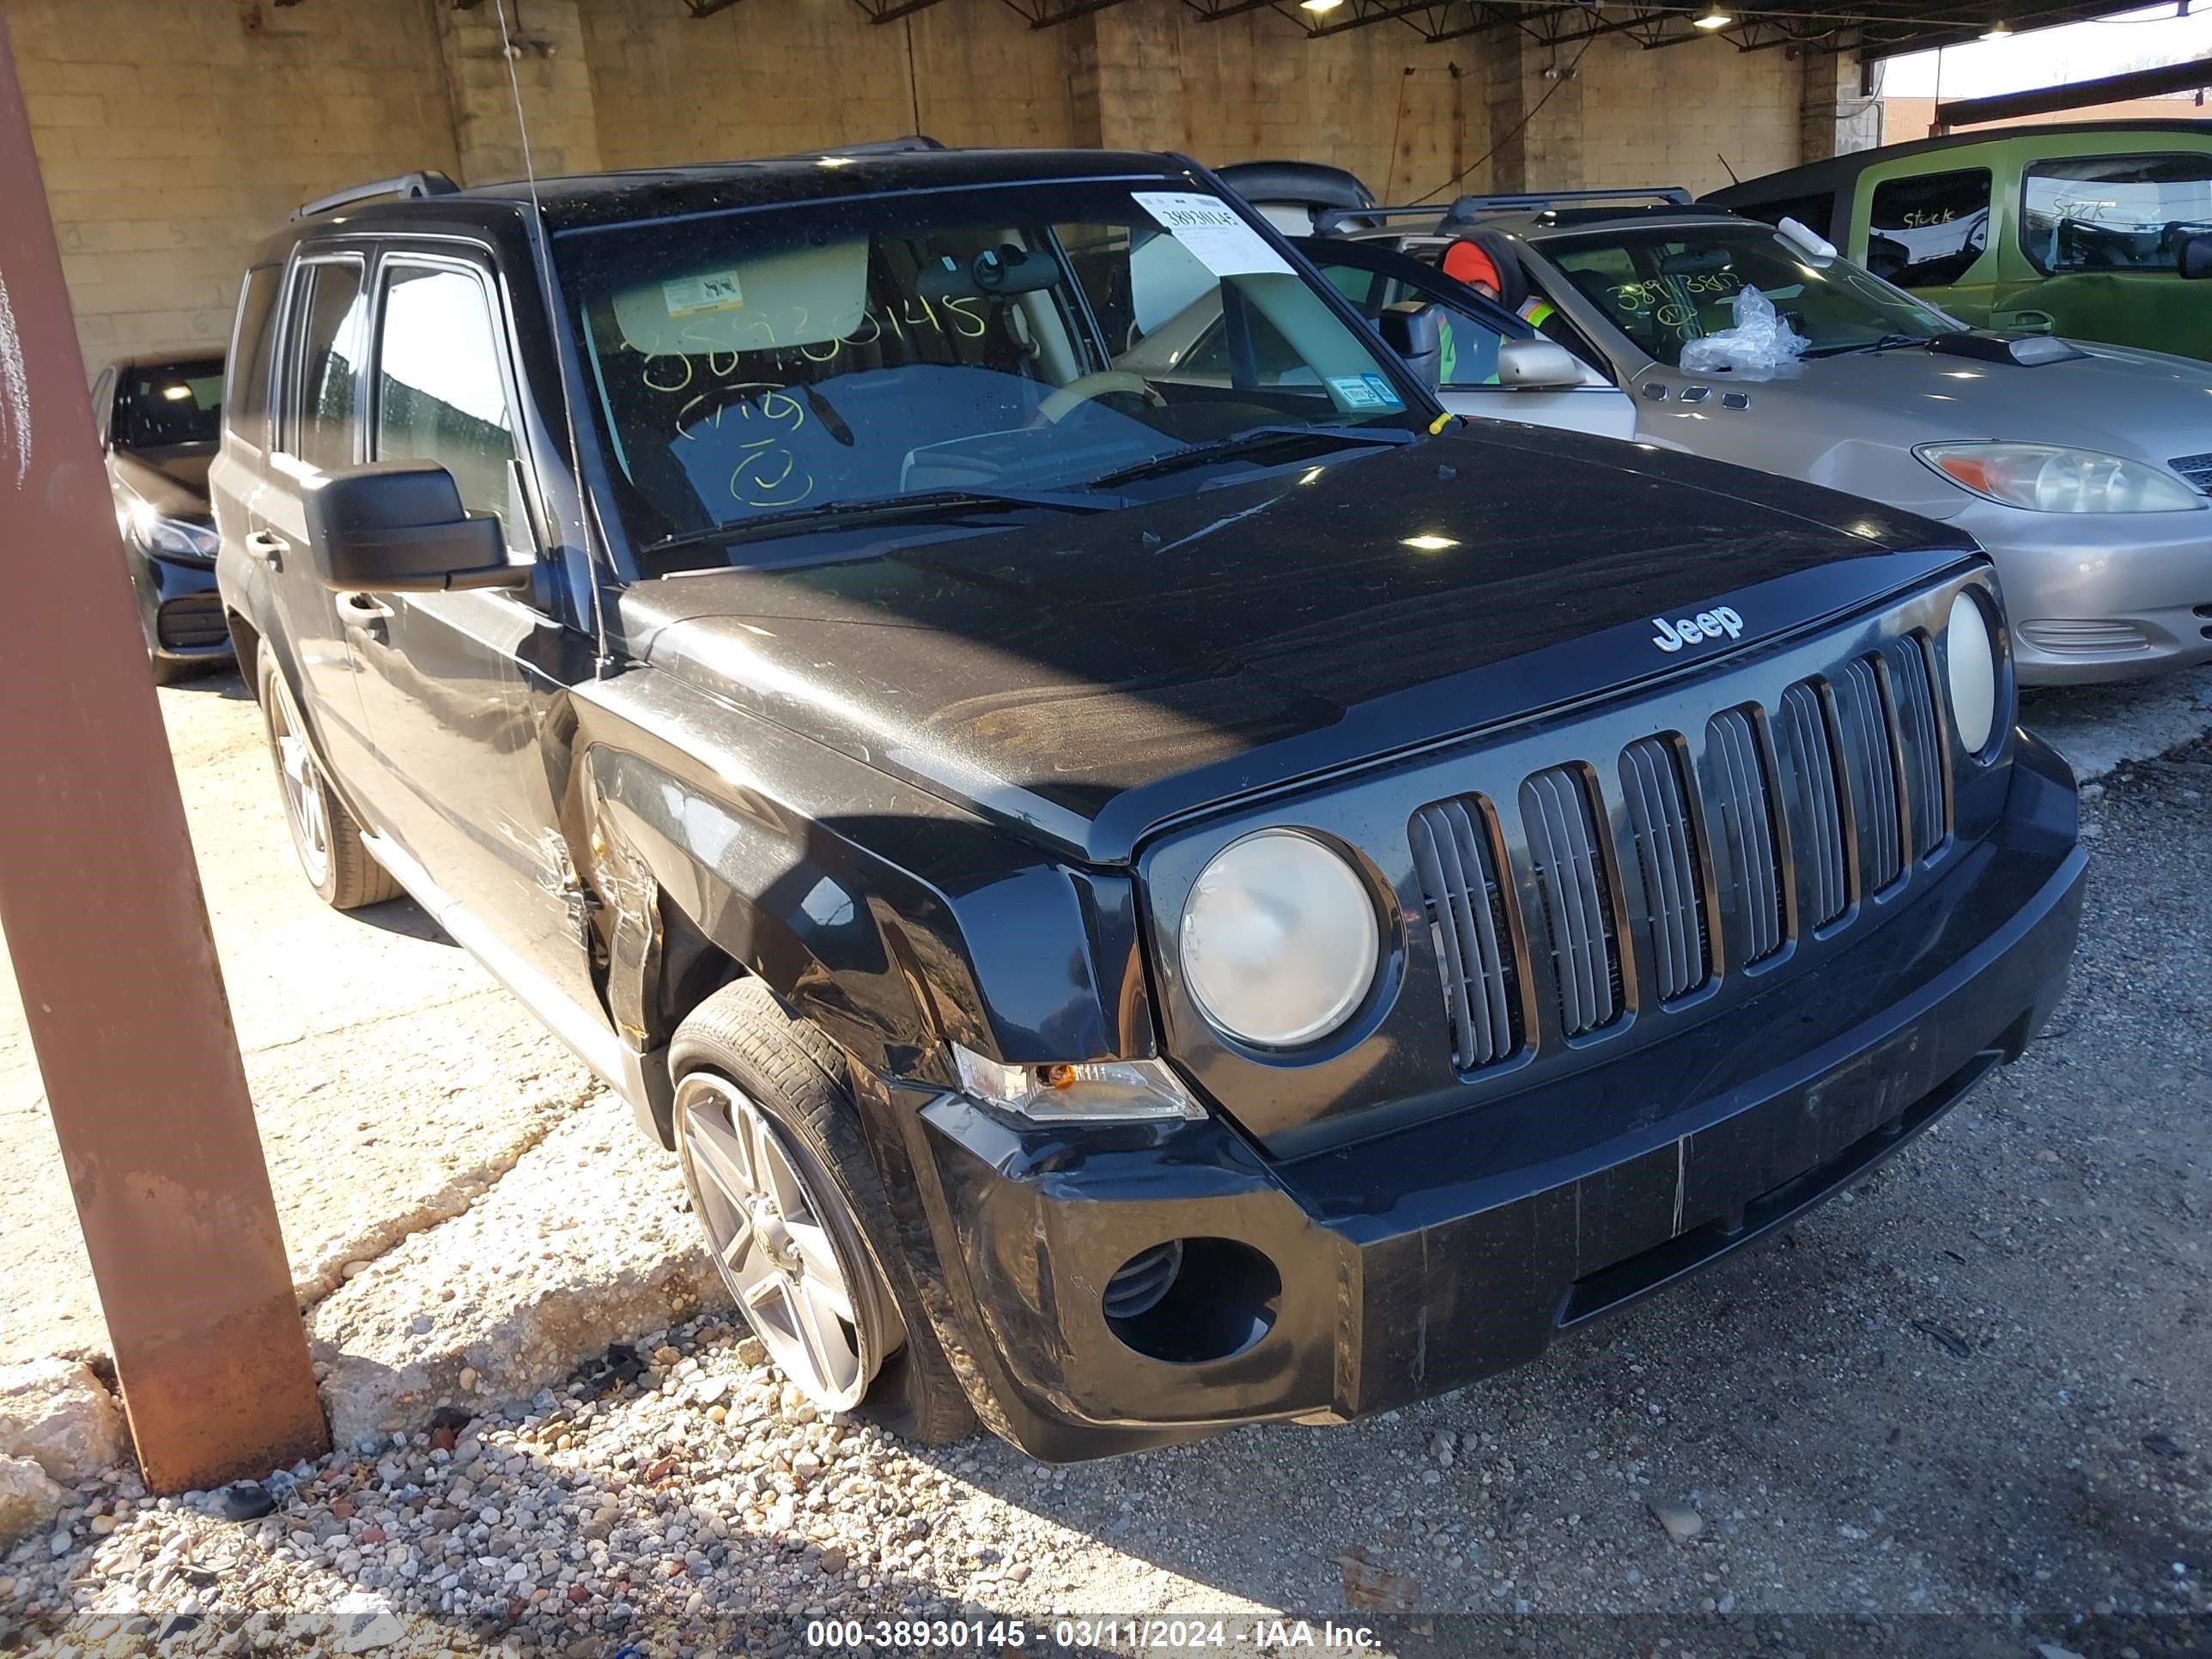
x,y
1886,342
1253,441
922,504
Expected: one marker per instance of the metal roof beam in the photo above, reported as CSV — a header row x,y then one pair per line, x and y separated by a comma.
x,y
1367,13
1213,11
890,11
1051,14
2079,94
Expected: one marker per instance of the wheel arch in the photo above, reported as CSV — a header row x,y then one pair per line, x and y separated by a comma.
x,y
246,647
721,847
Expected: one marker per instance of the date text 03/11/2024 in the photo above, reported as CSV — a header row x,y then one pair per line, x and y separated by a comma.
x,y
996,1636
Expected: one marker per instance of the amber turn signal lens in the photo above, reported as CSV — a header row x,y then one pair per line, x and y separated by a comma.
x,y
1969,471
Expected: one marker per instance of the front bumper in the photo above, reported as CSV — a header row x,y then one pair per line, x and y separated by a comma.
x,y
179,608
2095,597
1361,1278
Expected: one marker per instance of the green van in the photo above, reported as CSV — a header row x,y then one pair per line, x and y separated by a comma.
x,y
2091,231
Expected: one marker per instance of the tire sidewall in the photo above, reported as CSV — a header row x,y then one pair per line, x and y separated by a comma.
x,y
274,690
883,1333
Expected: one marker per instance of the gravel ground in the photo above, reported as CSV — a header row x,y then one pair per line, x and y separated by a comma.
x,y
1963,1409
393,1078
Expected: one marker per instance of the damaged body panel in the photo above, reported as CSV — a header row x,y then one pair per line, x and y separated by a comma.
x,y
1283,907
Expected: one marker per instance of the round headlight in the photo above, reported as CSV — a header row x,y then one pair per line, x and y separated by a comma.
x,y
1974,658
1279,940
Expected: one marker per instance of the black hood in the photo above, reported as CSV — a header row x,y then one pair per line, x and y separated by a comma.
x,y
1089,676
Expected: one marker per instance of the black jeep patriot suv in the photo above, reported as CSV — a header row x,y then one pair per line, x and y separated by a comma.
x,y
1140,901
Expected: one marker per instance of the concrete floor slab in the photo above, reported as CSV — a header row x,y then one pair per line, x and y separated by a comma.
x,y
393,1078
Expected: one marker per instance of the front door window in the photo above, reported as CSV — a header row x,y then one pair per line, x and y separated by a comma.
x,y
2114,212
440,395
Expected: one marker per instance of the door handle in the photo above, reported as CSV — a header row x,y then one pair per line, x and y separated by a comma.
x,y
2027,322
269,547
361,609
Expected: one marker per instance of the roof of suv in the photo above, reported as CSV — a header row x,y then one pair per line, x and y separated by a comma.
x,y
1534,225
587,199
1812,174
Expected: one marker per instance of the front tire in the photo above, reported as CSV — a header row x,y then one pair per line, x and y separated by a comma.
x,y
324,834
796,1218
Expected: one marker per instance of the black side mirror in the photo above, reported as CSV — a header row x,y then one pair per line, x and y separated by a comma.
x,y
2197,258
399,527
1415,329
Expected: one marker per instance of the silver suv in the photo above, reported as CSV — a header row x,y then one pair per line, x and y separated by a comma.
x,y
2083,468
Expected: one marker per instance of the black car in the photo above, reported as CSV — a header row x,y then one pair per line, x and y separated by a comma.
x,y
160,419
1139,905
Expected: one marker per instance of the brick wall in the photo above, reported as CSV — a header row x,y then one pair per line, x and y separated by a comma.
x,y
1668,116
1402,114
173,134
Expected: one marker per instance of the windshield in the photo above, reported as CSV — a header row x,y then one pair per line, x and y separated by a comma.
x,y
161,404
1666,287
984,340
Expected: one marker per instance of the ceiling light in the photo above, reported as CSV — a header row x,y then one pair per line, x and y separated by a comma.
x,y
1431,543
176,394
1713,18
1319,6
1999,30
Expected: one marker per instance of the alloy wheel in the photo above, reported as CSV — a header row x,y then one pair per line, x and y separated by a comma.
x,y
772,1241
303,793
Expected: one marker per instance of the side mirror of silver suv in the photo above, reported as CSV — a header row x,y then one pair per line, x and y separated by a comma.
x,y
1537,366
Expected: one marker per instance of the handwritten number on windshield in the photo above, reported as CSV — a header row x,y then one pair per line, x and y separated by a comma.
x,y
767,473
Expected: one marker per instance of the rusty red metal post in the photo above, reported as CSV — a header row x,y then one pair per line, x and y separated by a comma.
x,y
100,902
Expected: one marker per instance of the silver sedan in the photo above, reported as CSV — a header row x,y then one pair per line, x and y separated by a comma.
x,y
2084,468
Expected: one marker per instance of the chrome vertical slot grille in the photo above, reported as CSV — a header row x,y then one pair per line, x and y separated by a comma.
x,y
1747,829
1870,766
1575,898
1456,864
1674,917
1913,689
1808,754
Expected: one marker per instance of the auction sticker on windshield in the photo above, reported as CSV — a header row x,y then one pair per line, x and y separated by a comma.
x,y
714,290
1211,229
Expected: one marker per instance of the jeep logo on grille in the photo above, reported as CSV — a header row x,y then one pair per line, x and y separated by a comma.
x,y
1689,630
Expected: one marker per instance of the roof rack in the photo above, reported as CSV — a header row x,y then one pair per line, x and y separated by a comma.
x,y
1465,210
1673,195
408,186
909,142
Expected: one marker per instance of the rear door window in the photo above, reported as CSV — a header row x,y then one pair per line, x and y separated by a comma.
x,y
330,333
2114,212
1926,231
245,392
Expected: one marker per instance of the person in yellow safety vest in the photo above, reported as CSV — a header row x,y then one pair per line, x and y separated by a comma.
x,y
1485,262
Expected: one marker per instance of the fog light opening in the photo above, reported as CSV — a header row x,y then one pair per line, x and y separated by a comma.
x,y
1144,1279
1193,1300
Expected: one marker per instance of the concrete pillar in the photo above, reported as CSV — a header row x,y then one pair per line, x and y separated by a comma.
x,y
555,79
1506,93
1536,116
1553,145
1123,77
1833,118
